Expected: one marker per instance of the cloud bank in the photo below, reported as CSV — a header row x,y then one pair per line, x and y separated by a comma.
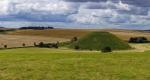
x,y
115,13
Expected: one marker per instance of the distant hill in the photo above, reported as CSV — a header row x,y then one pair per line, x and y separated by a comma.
x,y
4,30
98,40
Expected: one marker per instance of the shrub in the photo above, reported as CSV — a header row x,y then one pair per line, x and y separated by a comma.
x,y
65,43
106,49
35,44
5,46
55,45
74,39
41,44
23,44
77,47
48,45
91,49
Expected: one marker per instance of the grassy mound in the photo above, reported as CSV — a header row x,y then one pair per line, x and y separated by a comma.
x,y
99,40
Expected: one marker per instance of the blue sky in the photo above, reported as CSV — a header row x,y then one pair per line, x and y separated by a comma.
x,y
128,14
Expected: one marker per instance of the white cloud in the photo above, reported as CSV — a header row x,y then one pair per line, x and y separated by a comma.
x,y
4,5
99,13
32,6
94,16
100,16
122,6
110,13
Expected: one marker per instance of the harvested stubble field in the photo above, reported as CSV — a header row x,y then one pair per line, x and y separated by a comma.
x,y
127,35
59,33
69,33
18,40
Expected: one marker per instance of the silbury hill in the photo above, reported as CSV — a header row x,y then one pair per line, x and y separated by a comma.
x,y
99,40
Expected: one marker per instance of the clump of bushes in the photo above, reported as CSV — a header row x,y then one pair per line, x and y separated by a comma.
x,y
91,49
41,44
54,45
47,45
138,40
35,44
106,49
77,47
74,39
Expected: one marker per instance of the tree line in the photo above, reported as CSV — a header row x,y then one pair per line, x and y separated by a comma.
x,y
36,28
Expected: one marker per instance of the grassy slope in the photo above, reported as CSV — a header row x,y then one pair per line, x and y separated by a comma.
x,y
98,40
51,64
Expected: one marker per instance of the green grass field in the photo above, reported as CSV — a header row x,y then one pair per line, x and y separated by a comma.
x,y
57,64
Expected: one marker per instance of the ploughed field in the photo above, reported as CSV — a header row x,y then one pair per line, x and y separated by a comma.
x,y
64,64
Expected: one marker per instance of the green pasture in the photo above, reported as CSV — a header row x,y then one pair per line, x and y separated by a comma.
x,y
61,64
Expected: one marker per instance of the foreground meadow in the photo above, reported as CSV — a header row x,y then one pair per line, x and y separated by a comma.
x,y
57,64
